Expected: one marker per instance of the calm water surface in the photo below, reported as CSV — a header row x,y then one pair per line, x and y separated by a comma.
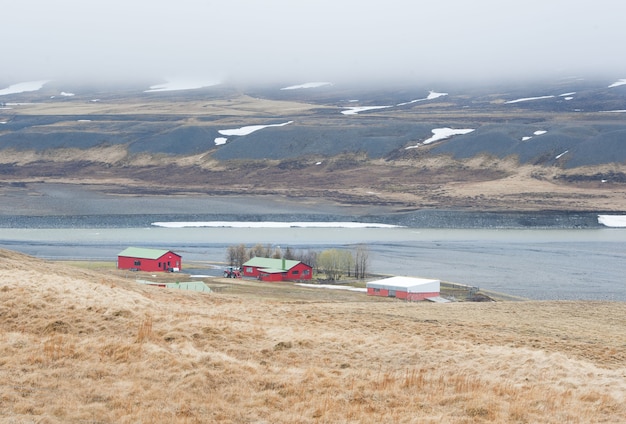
x,y
535,263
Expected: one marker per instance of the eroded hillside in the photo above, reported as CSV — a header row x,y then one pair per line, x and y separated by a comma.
x,y
553,152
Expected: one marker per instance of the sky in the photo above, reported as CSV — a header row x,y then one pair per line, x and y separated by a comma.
x,y
310,40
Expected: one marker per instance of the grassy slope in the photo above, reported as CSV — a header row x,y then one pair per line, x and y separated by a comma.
x,y
81,345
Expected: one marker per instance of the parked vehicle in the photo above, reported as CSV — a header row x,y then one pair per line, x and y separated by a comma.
x,y
232,272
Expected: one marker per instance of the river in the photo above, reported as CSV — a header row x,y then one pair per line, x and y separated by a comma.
x,y
535,263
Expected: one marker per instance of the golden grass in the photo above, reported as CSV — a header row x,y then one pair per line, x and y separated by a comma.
x,y
78,345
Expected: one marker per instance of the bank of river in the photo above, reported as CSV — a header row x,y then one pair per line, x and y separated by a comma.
x,y
534,263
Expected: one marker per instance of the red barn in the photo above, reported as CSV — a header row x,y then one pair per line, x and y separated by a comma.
x,y
268,269
139,259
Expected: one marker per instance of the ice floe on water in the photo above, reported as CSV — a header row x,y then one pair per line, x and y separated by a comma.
x,y
269,224
442,134
617,221
175,85
23,87
307,85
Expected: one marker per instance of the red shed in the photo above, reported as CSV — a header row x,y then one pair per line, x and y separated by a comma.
x,y
407,288
268,269
140,259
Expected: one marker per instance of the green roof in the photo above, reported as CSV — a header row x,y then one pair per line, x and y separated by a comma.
x,y
274,264
139,252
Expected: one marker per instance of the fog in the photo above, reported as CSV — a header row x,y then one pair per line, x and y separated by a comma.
x,y
311,40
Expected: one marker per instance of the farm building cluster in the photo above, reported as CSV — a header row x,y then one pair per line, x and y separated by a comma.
x,y
270,269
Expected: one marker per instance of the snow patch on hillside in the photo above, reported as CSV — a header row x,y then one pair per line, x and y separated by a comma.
x,y
528,99
244,131
307,85
23,87
175,85
536,133
354,110
442,134
618,83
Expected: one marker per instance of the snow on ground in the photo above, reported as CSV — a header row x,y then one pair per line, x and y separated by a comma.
x,y
538,132
561,155
354,110
220,140
66,94
269,224
175,85
23,87
618,83
250,129
332,287
442,134
618,221
527,99
434,95
307,85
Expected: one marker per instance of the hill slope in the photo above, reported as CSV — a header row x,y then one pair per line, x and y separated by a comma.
x,y
563,141
80,345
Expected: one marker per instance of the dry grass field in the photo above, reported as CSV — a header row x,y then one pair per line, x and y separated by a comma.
x,y
88,346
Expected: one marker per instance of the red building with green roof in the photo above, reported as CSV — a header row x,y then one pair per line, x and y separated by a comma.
x,y
269,269
140,259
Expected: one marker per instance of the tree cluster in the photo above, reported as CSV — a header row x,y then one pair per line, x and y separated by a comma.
x,y
333,263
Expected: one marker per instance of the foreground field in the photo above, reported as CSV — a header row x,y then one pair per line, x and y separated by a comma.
x,y
81,345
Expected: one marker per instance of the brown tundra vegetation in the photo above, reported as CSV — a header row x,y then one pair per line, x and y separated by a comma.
x,y
81,345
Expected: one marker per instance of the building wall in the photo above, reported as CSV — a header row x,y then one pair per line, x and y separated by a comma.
x,y
421,296
377,292
251,271
274,276
413,297
300,271
164,263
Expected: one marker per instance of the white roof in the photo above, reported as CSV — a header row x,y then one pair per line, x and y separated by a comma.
x,y
402,283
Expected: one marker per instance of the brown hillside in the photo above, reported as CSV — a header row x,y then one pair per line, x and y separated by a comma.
x,y
89,346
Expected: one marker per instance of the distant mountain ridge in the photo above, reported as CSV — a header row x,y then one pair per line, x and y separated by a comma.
x,y
579,123
232,139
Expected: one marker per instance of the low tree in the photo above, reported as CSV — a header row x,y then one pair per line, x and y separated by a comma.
x,y
361,261
237,255
334,263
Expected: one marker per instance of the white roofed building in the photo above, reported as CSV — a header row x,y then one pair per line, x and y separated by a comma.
x,y
407,288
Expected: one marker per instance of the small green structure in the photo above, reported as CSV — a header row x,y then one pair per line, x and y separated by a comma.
x,y
198,286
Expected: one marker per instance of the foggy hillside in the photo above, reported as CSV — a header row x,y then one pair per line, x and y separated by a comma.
x,y
572,129
580,123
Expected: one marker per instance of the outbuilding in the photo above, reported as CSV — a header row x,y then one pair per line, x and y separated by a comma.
x,y
407,288
270,269
142,259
